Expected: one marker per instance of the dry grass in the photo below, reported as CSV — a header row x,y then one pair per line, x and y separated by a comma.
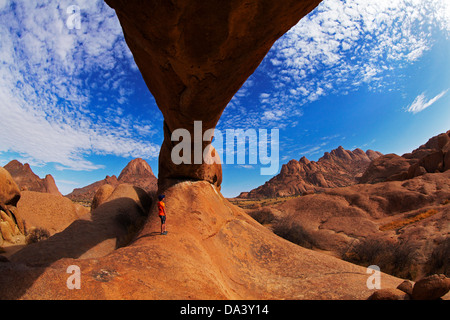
x,y
397,224
259,203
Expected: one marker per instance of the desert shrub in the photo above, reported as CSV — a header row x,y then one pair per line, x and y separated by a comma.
x,y
364,252
36,235
392,257
294,232
439,260
263,215
402,261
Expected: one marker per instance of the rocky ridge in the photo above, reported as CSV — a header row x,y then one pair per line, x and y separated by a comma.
x,y
27,180
137,172
396,210
338,168
431,157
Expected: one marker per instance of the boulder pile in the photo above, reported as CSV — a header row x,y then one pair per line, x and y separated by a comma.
x,y
429,288
11,224
432,157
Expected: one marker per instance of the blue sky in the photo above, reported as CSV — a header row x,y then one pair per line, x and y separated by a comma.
x,y
366,74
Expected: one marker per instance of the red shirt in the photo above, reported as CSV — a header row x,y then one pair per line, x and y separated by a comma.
x,y
161,208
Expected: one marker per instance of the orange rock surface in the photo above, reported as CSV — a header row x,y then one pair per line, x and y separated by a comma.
x,y
213,250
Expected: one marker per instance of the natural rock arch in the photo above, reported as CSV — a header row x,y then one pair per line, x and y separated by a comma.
x,y
194,55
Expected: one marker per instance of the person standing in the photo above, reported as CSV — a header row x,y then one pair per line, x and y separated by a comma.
x,y
162,213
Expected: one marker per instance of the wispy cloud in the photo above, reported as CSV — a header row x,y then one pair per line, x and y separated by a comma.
x,y
273,115
313,150
330,137
63,92
246,166
341,46
420,103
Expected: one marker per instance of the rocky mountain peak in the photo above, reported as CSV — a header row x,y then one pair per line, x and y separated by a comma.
x,y
26,179
136,167
137,173
337,168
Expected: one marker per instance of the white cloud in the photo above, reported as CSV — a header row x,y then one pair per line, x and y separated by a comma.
x,y
245,166
3,4
420,103
55,84
343,45
357,38
330,137
273,115
313,150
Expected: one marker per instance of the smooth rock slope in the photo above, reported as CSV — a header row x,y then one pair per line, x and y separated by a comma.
x,y
213,251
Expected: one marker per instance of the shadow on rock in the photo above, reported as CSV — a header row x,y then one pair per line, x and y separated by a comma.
x,y
111,225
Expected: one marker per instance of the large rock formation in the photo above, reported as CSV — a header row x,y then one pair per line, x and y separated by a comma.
x,y
213,251
338,168
137,173
431,157
94,234
27,180
11,223
48,211
86,194
195,55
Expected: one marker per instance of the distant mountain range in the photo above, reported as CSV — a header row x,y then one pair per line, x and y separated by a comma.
x,y
337,168
341,168
137,172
